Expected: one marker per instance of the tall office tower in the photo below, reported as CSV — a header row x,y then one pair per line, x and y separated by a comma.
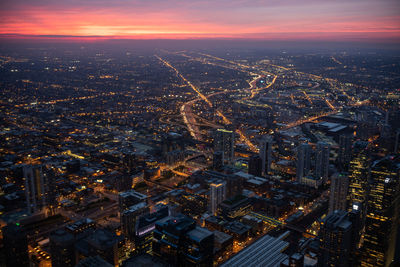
x,y
358,175
345,151
218,160
394,118
338,195
224,141
51,193
266,154
101,242
145,226
303,161
255,165
181,243
129,162
15,244
382,218
217,195
62,249
129,218
36,188
130,198
234,185
397,142
322,161
356,218
335,240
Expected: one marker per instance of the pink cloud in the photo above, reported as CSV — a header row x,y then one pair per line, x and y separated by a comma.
x,y
200,18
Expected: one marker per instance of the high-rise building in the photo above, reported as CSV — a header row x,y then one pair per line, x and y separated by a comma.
x,y
338,194
358,175
224,141
345,151
101,242
37,188
62,249
145,226
234,183
129,162
181,243
171,142
322,161
130,198
218,160
397,142
303,161
51,189
382,220
266,154
129,218
15,244
335,240
255,165
356,218
217,195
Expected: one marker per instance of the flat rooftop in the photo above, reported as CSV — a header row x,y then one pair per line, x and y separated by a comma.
x,y
266,251
199,234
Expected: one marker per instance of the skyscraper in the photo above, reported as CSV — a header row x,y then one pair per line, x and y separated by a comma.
x,y
255,165
397,141
129,218
36,188
355,215
335,240
358,175
62,249
322,161
338,194
217,195
224,141
145,226
15,244
344,153
303,161
101,242
218,160
266,154
129,198
382,218
181,243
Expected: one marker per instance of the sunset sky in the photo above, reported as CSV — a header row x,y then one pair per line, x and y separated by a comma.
x,y
259,19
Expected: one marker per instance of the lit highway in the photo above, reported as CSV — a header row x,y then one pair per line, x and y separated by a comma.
x,y
188,115
190,120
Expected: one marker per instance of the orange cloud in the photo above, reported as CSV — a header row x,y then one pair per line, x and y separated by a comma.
x,y
198,19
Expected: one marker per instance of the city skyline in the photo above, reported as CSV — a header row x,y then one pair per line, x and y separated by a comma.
x,y
199,133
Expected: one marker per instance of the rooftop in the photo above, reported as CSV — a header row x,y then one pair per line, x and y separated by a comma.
x,y
93,261
221,237
266,251
199,234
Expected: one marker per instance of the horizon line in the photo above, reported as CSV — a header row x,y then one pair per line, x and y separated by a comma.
x,y
367,37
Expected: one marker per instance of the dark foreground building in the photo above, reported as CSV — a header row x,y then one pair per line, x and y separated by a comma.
x,y
180,242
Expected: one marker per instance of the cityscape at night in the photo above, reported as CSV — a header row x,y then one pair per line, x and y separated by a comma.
x,y
199,133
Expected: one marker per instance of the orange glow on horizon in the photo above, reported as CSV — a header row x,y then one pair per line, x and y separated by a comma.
x,y
147,20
